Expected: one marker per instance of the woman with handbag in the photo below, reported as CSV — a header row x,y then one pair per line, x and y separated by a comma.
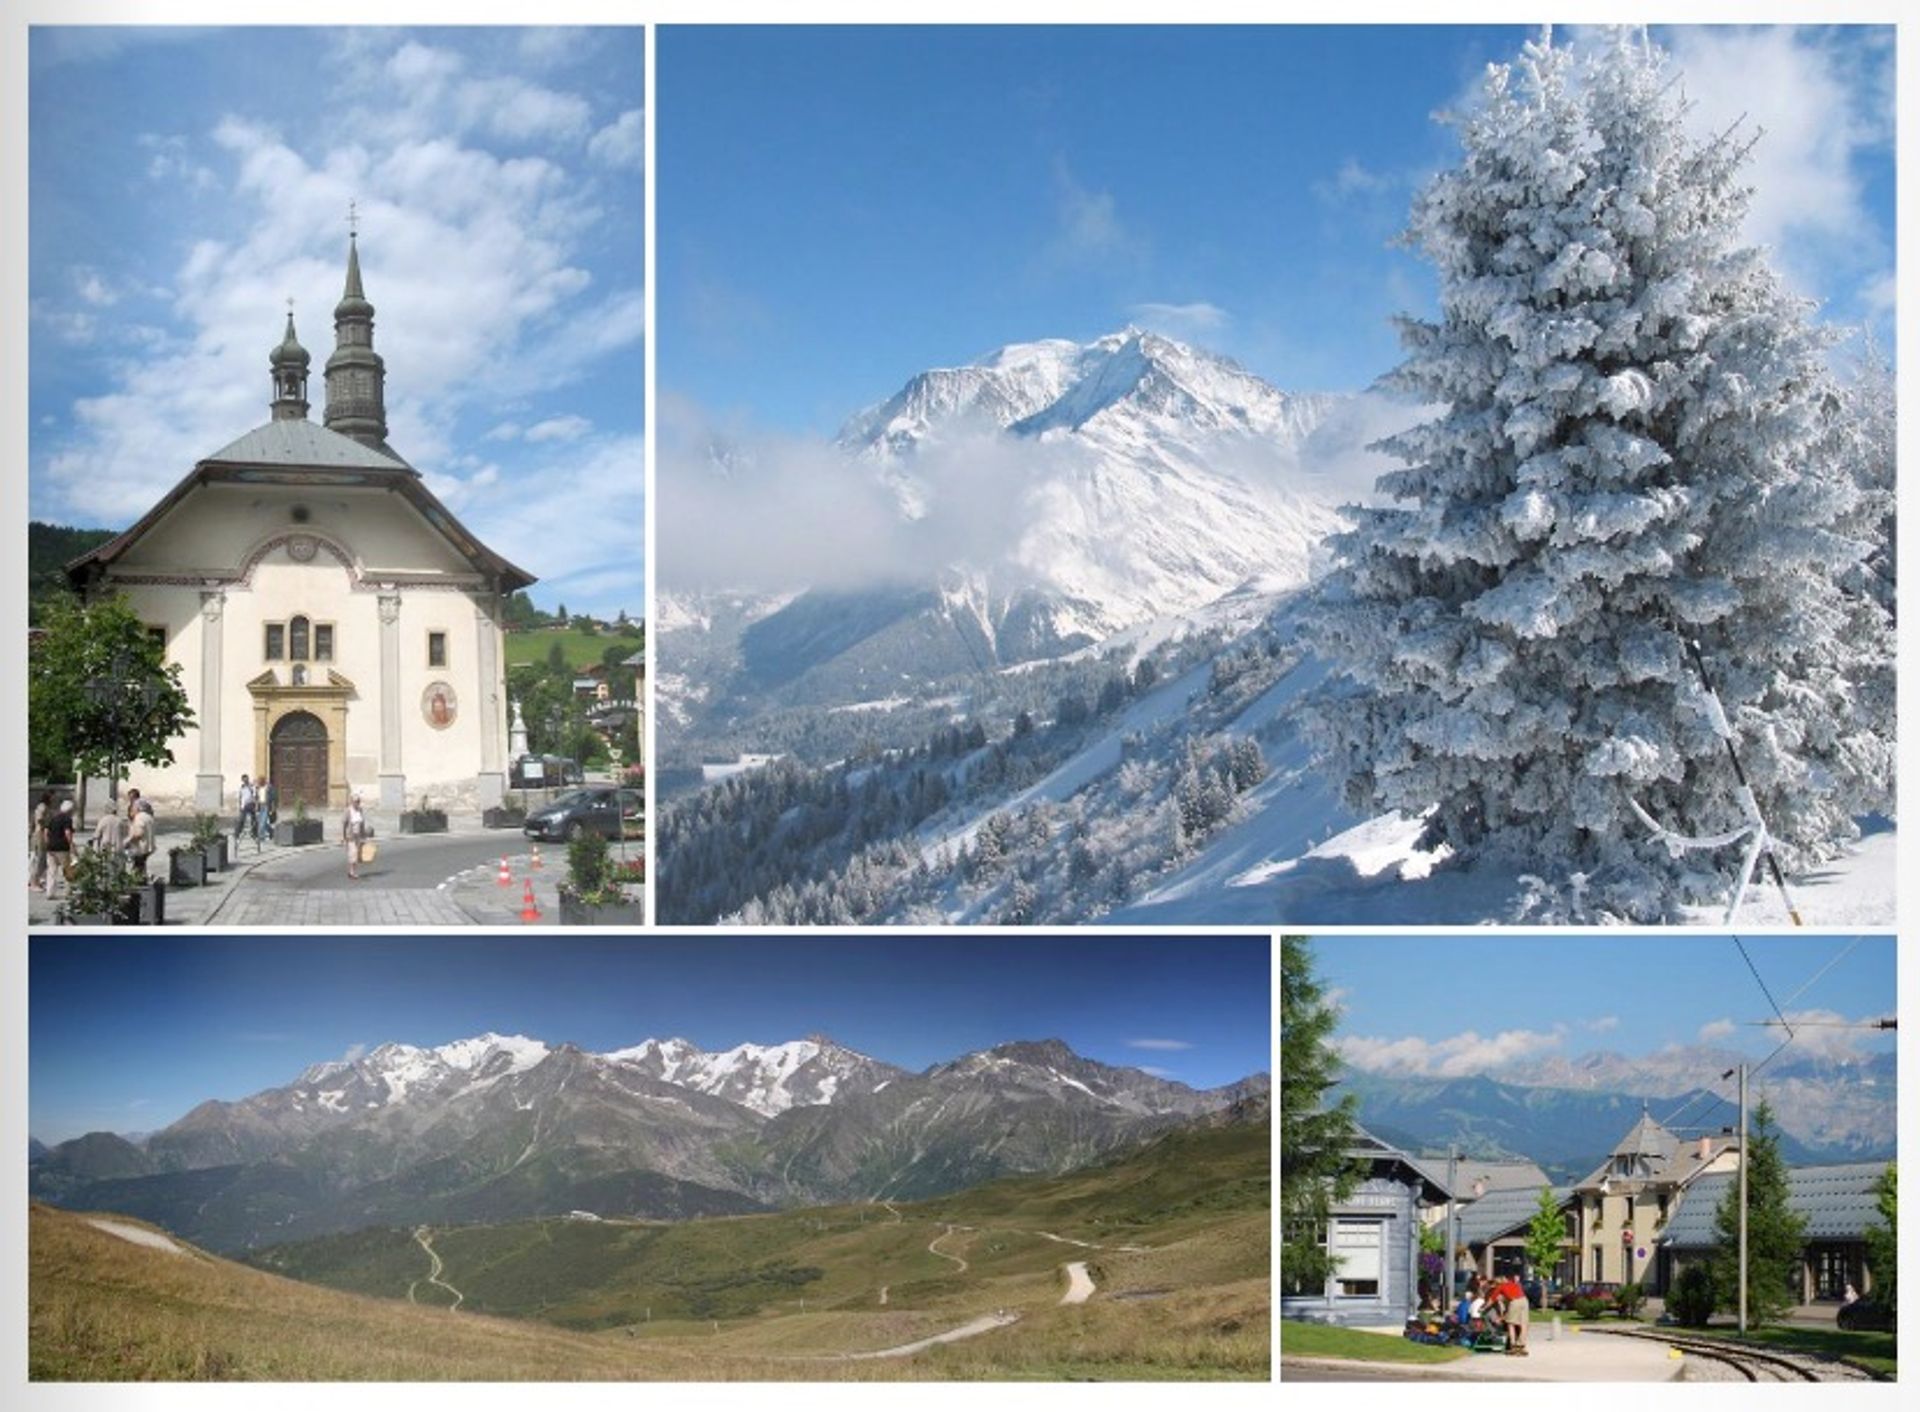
x,y
355,832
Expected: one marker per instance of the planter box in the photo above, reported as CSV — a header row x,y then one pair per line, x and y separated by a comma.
x,y
423,821
217,855
187,867
87,919
575,913
298,832
500,817
145,906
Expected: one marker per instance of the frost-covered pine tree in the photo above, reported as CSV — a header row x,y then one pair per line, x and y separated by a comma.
x,y
1628,458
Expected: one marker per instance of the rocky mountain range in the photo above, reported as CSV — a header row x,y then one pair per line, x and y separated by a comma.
x,y
500,1127
1568,1113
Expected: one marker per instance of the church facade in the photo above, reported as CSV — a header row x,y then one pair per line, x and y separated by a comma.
x,y
338,629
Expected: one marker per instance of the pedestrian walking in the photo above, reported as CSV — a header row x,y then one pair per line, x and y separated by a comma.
x,y
249,804
267,805
37,840
59,847
139,832
110,834
354,830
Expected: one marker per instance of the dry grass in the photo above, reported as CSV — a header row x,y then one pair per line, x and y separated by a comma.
x,y
103,1308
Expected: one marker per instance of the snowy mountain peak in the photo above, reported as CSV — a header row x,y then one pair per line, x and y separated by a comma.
x,y
767,1078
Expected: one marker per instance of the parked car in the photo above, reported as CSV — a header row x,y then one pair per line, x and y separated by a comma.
x,y
1865,1314
544,772
1607,1290
611,812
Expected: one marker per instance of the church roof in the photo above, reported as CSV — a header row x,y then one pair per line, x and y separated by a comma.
x,y
297,442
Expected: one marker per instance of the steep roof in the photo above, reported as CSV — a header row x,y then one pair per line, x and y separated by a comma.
x,y
1490,1174
1837,1201
298,452
1500,1213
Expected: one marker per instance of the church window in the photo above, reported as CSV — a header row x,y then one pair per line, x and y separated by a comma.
x,y
436,649
297,640
276,645
323,642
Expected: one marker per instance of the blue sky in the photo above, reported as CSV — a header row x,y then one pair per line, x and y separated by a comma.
x,y
184,183
1454,1005
127,1036
842,208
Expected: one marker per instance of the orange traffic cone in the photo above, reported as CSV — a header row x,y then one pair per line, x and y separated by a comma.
x,y
505,878
536,856
529,909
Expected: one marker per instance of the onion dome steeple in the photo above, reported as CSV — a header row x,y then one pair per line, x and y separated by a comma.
x,y
288,363
356,376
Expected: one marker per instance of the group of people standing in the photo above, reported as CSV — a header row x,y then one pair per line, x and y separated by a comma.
x,y
259,810
127,829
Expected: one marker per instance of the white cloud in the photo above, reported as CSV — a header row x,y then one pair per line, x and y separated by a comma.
x,y
563,428
1828,1034
1189,321
1087,224
354,1051
1155,1070
1456,1056
1604,1024
1716,1029
622,143
1162,1044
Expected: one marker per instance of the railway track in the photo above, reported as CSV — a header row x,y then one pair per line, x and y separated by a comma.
x,y
1755,1365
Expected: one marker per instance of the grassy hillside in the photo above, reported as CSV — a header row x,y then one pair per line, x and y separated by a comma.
x,y
582,649
1176,1239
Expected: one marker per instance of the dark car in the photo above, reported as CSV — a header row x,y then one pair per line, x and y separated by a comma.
x,y
1606,1290
1865,1314
544,772
610,812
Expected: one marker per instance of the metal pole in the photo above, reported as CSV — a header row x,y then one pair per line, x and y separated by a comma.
x,y
1743,1198
1446,1289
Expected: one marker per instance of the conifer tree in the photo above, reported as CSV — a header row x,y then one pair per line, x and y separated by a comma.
x,y
1316,1139
1775,1232
1628,459
1883,1239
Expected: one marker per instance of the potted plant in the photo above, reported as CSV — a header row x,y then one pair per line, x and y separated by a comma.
x,y
100,893
299,829
503,816
593,895
211,839
423,819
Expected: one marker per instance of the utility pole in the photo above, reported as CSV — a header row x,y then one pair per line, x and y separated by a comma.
x,y
1743,1198
1453,1162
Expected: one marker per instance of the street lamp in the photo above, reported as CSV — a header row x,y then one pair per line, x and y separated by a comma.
x,y
127,693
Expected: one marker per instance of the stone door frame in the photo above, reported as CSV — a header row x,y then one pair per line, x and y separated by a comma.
x,y
326,700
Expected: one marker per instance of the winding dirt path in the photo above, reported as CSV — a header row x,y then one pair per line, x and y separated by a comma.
x,y
424,1238
883,1293
1079,1283
986,1323
933,1248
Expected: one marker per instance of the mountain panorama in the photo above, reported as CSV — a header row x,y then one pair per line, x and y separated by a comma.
x,y
500,1127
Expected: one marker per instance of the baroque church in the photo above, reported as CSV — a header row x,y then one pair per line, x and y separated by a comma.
x,y
337,628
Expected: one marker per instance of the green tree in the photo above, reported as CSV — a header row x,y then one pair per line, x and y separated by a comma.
x,y
74,720
1546,1235
1883,1238
1316,1139
1775,1232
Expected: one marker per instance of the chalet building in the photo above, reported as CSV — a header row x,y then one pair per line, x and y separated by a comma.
x,y
1623,1207
1375,1235
1839,1206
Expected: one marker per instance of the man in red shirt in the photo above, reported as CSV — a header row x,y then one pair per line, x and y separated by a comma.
x,y
1514,1309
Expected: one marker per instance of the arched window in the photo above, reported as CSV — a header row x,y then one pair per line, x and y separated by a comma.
x,y
297,636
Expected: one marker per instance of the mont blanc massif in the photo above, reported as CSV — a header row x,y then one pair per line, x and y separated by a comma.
x,y
499,1128
1103,714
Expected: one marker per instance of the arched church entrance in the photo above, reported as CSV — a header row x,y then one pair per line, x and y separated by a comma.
x,y
299,760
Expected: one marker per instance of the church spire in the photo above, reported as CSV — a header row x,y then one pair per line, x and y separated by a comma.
x,y
288,363
356,376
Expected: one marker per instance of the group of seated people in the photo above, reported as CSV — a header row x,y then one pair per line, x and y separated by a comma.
x,y
1490,1314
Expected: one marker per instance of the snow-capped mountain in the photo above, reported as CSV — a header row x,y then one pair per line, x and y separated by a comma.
x,y
1131,478
496,1127
769,1079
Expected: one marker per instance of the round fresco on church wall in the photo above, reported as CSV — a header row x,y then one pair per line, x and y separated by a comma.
x,y
439,705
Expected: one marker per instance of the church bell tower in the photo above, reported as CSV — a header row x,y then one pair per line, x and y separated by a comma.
x,y
356,376
289,366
